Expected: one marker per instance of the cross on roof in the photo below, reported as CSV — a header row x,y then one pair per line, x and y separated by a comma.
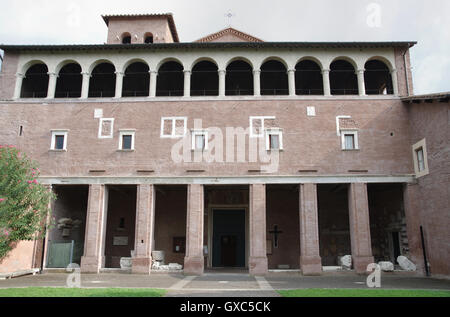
x,y
229,15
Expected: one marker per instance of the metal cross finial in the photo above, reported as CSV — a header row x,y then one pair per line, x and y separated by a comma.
x,y
229,15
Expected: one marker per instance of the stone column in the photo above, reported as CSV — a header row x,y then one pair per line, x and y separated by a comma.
x,y
93,258
256,82
119,84
394,81
310,261
194,260
153,81
291,81
52,77
85,85
361,244
222,74
258,255
326,82
18,86
145,215
187,83
361,84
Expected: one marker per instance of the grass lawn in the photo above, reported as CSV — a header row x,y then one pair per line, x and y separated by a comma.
x,y
80,292
362,293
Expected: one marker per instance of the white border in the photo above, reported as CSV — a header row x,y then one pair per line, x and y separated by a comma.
x,y
262,118
100,136
353,132
421,144
194,133
173,135
123,132
63,132
274,131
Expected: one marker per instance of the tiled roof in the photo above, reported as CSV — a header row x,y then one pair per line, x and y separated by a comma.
x,y
169,17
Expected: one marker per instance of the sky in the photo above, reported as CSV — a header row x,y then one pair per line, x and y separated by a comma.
x,y
79,22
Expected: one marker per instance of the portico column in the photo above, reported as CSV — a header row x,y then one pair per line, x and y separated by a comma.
x,y
18,86
310,261
291,81
326,82
93,258
85,85
394,81
145,215
358,207
361,84
194,260
256,82
119,84
258,255
187,83
222,74
153,79
52,77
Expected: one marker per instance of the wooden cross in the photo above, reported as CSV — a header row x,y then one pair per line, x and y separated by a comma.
x,y
275,233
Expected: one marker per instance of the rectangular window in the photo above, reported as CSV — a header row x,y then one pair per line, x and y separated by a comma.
x,y
59,140
126,139
420,159
274,139
349,140
199,140
173,127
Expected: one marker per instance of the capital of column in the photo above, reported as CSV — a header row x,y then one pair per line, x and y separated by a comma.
x,y
360,71
393,71
187,71
119,73
222,71
20,75
325,71
52,74
86,74
257,71
153,72
290,71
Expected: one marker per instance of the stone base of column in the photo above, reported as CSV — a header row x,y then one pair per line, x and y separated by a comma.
x,y
258,265
194,265
360,263
141,265
90,264
311,265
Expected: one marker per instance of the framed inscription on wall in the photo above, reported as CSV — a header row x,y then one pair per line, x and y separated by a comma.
x,y
120,240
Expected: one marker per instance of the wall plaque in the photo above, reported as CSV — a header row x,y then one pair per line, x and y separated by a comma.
x,y
120,240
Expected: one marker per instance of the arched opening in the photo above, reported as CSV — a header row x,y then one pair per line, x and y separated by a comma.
x,y
239,79
308,78
136,81
126,38
35,83
68,84
274,79
103,81
170,80
377,78
343,80
205,79
148,38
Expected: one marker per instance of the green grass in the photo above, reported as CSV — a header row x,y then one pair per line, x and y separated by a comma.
x,y
362,293
80,292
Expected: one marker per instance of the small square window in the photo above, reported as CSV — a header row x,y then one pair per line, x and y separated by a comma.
x,y
199,140
349,140
274,139
257,125
173,127
59,140
126,140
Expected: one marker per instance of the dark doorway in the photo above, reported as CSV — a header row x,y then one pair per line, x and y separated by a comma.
x,y
228,238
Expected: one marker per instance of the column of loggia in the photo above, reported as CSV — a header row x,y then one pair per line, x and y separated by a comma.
x,y
258,264
326,82
144,237
291,81
257,82
394,81
93,258
361,83
18,86
119,84
310,261
85,85
187,83
52,78
358,208
194,259
222,74
153,81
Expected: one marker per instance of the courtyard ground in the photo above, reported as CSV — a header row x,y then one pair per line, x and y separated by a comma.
x,y
227,285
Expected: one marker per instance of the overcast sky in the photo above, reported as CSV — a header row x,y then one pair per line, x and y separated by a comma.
x,y
79,22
